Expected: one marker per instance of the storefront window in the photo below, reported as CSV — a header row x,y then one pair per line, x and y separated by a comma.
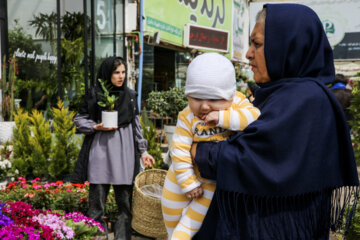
x,y
32,34
106,43
34,48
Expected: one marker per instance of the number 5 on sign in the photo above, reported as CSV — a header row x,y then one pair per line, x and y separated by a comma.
x,y
101,22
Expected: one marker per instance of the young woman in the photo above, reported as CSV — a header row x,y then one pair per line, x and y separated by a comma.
x,y
108,155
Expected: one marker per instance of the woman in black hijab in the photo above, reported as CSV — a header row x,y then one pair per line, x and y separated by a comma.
x,y
108,155
291,173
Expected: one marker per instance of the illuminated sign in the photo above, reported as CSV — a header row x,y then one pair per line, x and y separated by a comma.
x,y
206,38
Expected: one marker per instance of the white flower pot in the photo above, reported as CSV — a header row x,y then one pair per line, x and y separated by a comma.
x,y
110,119
6,131
3,184
169,131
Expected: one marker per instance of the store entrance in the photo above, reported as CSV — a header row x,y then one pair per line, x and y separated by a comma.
x,y
164,68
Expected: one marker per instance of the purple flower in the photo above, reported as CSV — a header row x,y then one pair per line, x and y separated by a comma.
x,y
4,220
79,217
58,226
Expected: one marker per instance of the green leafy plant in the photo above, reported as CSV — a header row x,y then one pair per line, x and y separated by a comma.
x,y
64,150
149,133
41,151
355,122
41,144
107,101
22,147
168,103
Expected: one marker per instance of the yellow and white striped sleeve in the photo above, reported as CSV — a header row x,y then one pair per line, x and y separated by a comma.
x,y
180,153
239,115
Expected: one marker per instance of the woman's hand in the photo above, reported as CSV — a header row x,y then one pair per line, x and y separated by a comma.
x,y
147,160
195,193
100,127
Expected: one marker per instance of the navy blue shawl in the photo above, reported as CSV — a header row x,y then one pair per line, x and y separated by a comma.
x,y
284,175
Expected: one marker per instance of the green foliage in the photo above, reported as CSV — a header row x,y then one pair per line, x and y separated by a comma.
x,y
72,53
21,145
45,25
19,39
41,144
149,133
83,231
168,103
355,122
65,148
107,101
40,153
354,231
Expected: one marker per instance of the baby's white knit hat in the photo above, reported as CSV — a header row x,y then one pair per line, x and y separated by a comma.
x,y
210,76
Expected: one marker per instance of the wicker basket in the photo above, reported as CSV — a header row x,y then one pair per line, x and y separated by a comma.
x,y
147,217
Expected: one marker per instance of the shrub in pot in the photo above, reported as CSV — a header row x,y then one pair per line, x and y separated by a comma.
x,y
109,117
168,104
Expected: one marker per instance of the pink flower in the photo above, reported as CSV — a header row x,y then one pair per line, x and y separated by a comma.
x,y
36,186
30,195
68,190
35,180
47,185
53,184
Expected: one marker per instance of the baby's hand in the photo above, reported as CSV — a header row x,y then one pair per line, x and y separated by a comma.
x,y
212,118
195,193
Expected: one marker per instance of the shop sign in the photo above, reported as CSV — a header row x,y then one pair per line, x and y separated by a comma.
x,y
206,38
36,57
340,20
240,29
170,17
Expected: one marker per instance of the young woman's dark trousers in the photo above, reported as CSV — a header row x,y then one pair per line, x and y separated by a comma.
x,y
97,199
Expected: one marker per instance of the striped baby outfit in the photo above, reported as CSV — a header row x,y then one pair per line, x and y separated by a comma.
x,y
183,217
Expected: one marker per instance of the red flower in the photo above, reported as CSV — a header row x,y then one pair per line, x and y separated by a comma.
x,y
59,183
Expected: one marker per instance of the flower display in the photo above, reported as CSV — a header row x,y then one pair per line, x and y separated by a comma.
x,y
68,197
5,167
44,195
19,220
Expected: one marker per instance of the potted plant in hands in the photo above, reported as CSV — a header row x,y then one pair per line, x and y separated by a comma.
x,y
109,117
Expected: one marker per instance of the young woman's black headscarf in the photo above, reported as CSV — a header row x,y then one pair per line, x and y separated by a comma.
x,y
124,105
291,173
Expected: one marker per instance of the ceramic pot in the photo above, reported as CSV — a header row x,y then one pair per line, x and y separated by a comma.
x,y
6,131
110,119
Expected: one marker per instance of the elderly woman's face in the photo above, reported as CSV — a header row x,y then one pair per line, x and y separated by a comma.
x,y
256,54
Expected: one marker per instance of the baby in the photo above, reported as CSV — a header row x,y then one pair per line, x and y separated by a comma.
x,y
214,112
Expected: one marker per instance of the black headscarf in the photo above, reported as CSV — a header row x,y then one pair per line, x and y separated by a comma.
x,y
125,103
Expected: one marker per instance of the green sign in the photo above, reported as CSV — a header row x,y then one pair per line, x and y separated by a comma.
x,y
170,16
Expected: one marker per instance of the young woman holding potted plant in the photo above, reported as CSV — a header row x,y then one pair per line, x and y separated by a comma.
x,y
108,154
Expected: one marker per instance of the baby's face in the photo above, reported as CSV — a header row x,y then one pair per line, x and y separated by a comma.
x,y
201,107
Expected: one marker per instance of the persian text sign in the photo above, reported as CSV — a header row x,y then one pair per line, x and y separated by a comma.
x,y
170,17
206,38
